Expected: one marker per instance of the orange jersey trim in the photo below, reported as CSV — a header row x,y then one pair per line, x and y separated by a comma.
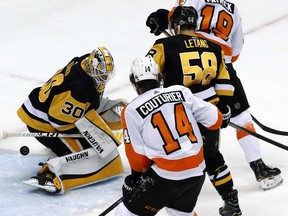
x,y
138,162
234,58
218,124
241,134
227,50
180,164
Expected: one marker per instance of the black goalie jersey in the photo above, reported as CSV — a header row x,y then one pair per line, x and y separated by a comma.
x,y
62,100
195,63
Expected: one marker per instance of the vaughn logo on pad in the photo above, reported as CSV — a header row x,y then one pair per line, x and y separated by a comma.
x,y
92,142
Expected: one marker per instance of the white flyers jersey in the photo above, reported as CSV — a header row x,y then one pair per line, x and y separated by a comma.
x,y
221,22
160,131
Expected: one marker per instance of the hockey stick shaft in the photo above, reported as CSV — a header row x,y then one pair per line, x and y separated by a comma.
x,y
259,136
114,205
166,33
268,129
28,134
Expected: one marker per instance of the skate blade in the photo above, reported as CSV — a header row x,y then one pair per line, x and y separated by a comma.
x,y
270,183
35,183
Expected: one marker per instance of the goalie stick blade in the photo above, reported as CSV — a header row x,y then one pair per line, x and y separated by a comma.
x,y
270,183
49,186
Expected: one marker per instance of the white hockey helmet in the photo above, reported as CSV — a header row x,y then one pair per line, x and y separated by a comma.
x,y
143,68
100,65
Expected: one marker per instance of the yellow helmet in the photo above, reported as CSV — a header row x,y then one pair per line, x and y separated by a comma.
x,y
100,65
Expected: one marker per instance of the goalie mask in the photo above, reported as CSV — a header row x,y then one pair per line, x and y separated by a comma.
x,y
100,66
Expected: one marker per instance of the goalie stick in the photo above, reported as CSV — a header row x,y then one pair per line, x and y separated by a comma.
x,y
28,134
6,134
116,203
259,136
268,129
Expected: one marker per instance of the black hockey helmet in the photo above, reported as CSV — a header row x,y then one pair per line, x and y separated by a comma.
x,y
184,15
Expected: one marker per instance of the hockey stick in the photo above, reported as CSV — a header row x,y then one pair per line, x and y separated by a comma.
x,y
259,136
28,134
6,134
166,33
116,203
268,129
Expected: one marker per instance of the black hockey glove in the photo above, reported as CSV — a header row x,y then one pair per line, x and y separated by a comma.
x,y
158,21
130,182
226,112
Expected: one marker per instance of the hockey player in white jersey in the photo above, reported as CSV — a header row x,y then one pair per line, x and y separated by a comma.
x,y
163,145
221,22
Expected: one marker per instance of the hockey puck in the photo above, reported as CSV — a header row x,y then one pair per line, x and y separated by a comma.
x,y
24,150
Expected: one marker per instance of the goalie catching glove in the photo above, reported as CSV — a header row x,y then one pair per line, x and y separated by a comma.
x,y
110,112
158,21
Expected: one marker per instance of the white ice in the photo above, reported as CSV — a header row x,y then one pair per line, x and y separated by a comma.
x,y
37,37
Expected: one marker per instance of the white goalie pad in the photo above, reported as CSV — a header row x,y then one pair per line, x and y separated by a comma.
x,y
97,133
77,164
80,164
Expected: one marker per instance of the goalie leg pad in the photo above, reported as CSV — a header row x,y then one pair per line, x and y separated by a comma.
x,y
84,168
110,170
97,133
76,170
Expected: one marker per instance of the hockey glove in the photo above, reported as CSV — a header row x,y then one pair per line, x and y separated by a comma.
x,y
226,112
158,21
129,184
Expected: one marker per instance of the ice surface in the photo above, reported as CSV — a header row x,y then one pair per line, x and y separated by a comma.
x,y
40,36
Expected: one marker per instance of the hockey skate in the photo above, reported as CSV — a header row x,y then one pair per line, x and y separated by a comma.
x,y
45,180
231,205
268,177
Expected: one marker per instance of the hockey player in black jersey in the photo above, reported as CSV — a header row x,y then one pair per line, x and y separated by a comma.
x,y
71,102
